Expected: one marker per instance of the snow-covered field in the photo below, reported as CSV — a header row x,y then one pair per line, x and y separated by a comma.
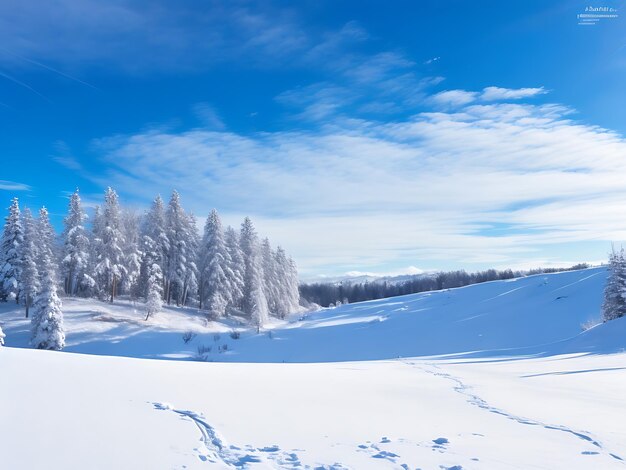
x,y
496,375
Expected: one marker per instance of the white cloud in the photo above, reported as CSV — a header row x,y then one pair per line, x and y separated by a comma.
x,y
454,97
494,93
459,98
13,186
358,195
409,270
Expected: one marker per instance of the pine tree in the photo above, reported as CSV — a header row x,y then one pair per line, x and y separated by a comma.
x,y
10,267
154,297
2,336
180,268
287,284
214,259
108,241
75,249
190,281
254,299
259,313
271,283
47,330
45,237
236,267
293,285
154,241
614,305
129,225
29,256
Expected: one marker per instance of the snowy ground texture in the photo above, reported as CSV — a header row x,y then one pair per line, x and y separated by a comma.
x,y
491,376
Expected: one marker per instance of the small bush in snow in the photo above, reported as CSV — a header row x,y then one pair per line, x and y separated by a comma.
x,y
216,337
235,334
188,336
591,323
203,353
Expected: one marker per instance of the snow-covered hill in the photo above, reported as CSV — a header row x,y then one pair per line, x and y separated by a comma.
x,y
540,314
492,376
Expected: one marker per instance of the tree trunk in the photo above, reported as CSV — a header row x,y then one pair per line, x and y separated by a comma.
x,y
68,287
113,288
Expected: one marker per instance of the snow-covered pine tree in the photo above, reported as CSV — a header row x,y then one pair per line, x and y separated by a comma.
x,y
75,249
109,266
259,313
95,240
235,265
10,267
2,336
190,281
29,256
285,303
214,260
180,258
47,330
45,237
129,226
254,299
293,286
271,283
614,305
154,240
154,297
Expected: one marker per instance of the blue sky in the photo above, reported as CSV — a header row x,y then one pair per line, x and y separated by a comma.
x,y
362,136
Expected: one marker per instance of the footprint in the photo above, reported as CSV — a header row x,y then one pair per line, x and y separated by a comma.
x,y
273,448
383,454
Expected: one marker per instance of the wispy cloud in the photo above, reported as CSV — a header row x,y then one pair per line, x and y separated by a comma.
x,y
209,116
63,156
362,193
142,36
13,186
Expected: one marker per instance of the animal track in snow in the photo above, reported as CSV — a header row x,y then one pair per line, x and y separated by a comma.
x,y
216,449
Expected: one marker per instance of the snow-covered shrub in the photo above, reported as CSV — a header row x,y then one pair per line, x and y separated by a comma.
x,y
235,334
188,336
203,353
591,323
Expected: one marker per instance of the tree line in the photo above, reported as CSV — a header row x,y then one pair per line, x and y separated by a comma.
x,y
327,294
159,256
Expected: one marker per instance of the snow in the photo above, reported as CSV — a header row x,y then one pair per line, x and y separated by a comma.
x,y
492,376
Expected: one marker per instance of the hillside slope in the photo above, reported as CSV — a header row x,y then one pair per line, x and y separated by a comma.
x,y
540,314
515,385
